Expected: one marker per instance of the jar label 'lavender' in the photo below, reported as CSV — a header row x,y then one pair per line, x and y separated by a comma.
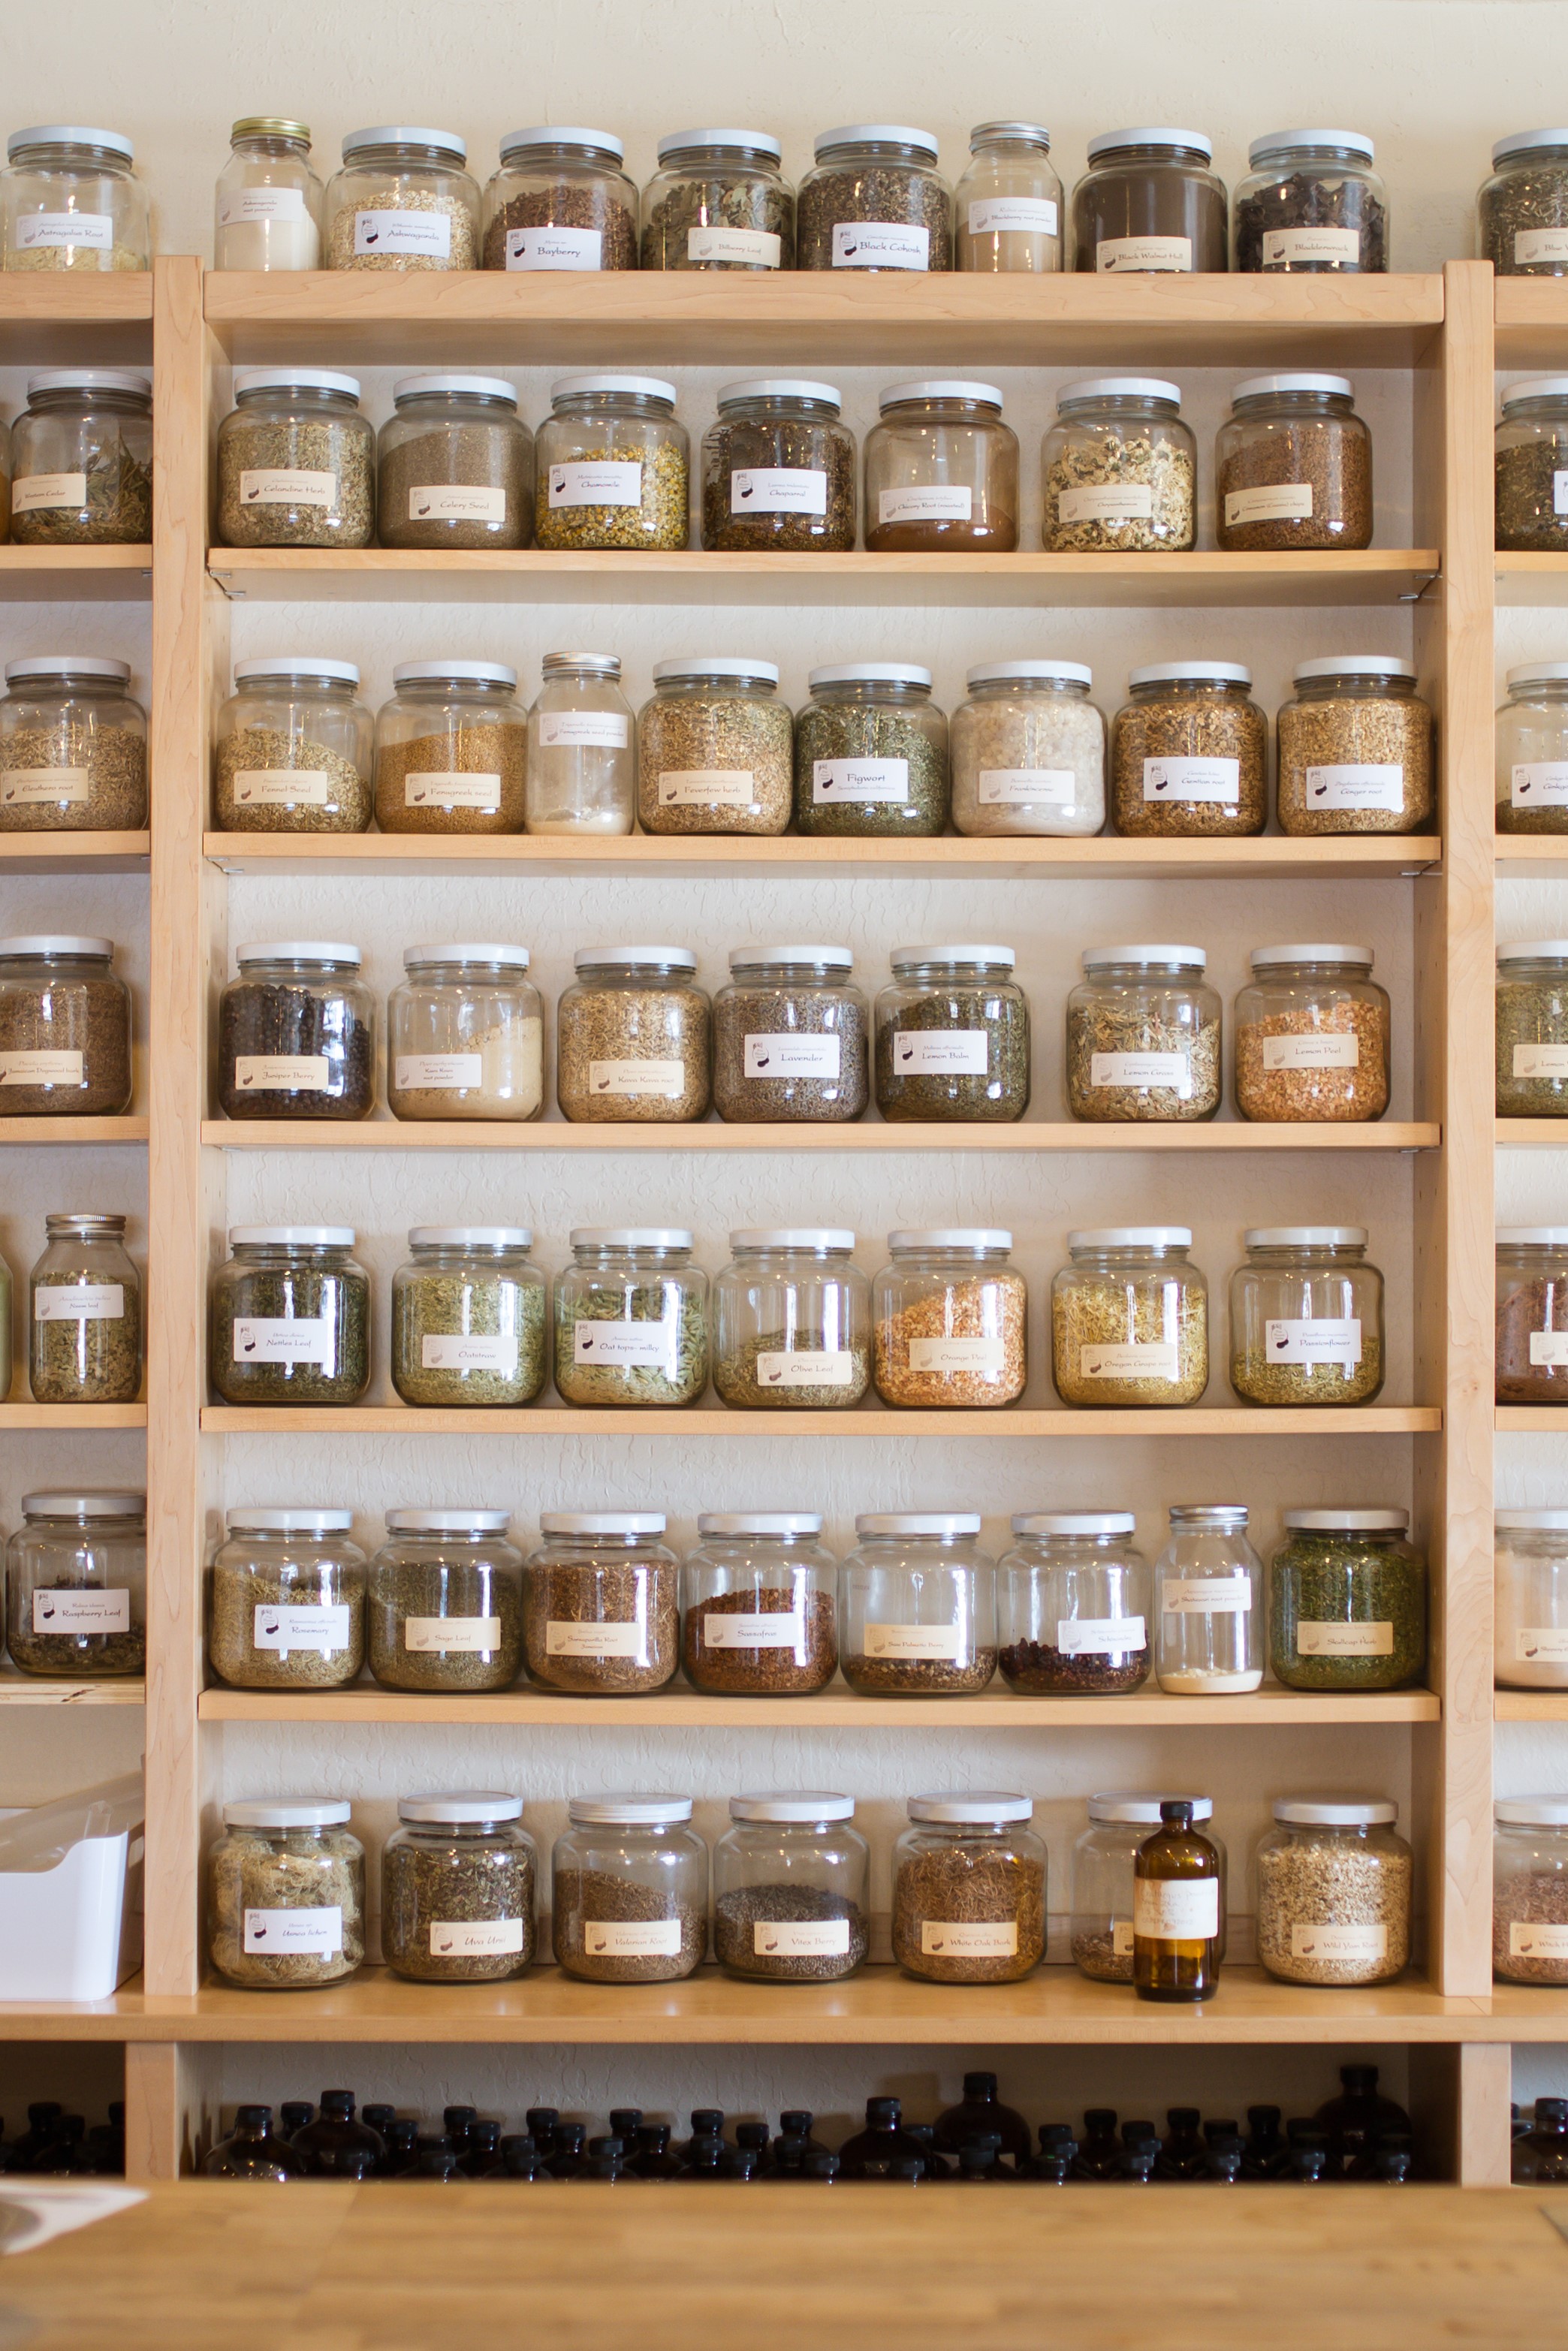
x,y
28,786
1533,245
1285,248
707,787
1332,1638
1176,1909
243,205
1173,1071
475,1939
428,235
801,1938
1207,1596
31,491
758,248
1192,780
772,1630
1118,255
1031,215
555,248
1110,502
637,1077
1547,1642
880,244
570,1638
93,231
929,504
1276,502
319,1931
442,1072
450,787
581,730
468,1351
612,485
836,780
1335,1051
948,1356
779,489
48,1069
456,502
281,787
319,1626
1027,786
800,1367
1130,1359
1549,1348
1326,1942
1378,784
1329,1339
785,1054
285,1072
287,485
1539,783
468,1636
1535,1939
81,1302
962,1052
1100,1636
654,1343
278,1339
81,1612
926,1644
632,1938
969,1939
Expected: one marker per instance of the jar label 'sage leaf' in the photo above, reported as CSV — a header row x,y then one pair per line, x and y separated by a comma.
x,y
468,1637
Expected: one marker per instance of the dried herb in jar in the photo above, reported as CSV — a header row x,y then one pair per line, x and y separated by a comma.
x,y
764,1014
79,1013
91,1358
1314,199
718,199
1336,737
804,1665
1333,1881
293,1870
946,1007
1154,460
960,1886
116,510
453,1589
465,747
679,1379
478,1302
1526,474
1041,1670
566,206
921,1676
343,448
269,750
660,520
589,1897
1093,1319
737,1943
1529,1897
114,759
746,445
1225,731
431,1885
873,193
271,1021
636,1595
397,197
861,732
1527,1308
1100,1027
299,1292
1360,1091
989,1306
1328,456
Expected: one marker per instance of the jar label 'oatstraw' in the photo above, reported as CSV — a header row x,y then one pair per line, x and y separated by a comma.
x,y
707,787
946,1356
426,234
1528,1940
933,503
570,1638
281,787
468,1637
656,1343
449,788
801,1938
1545,1642
1362,785
1170,1070
94,232
555,248
925,1643
1100,1636
1285,248
28,786
1329,1051
1122,254
1130,1359
47,1069
287,485
760,248
962,1052
969,1938
581,730
307,1073
1032,216
1539,783
243,205
1110,502
1326,1942
1549,1347
800,1367
596,486
779,489
637,1077
769,1631
1176,1909
314,1625
81,1612
1276,502
475,1939
632,1938
1332,1638
443,1072
464,1352
784,1054
880,244
1531,245
278,1339
1207,1596
833,780
287,1931
456,502
1331,1338
1027,786
81,1302
35,490
1192,780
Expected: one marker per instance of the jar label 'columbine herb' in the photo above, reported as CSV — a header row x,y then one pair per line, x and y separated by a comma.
x,y
1027,788
834,780
319,1625
1359,785
1339,1051
319,1930
969,1938
309,1071
468,1351
287,485
281,787
427,236
1192,780
41,1069
450,787
1176,1909
964,1052
708,787
94,232
555,248
81,1612
637,1077
788,1054
573,1637
456,502
1332,1339
33,491
779,489
475,1939
581,730
1100,1636
1293,248
758,248
655,1345
800,1367
1029,215
1207,1596
927,1643
27,787
469,1635
1539,783
605,485
1332,1638
928,502
1118,255
632,1938
772,1630
1275,502
278,1339
880,244
81,1302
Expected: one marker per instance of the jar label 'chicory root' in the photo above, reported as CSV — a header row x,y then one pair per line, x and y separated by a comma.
x,y
1192,780
427,236
287,485
632,1938
942,1354
456,502
81,1612
450,787
1100,1636
945,1643
605,485
800,1367
779,489
581,730
1130,1359
1332,1638
319,1930
470,1636
45,1069
281,787
1297,248
708,787
1546,1643
1275,502
267,1070
26,787
1539,783
1326,1942
637,1077
81,1302
650,1344
880,244
1206,1595
1119,254
1320,1052
1029,215
555,248
785,1054
772,1630
1331,1339
94,232
834,780
1360,785
1176,1909
319,1624
461,1351
964,1051
1112,502
35,490
278,1339
475,1939
573,1637
1539,1941
1027,788
933,503
969,1938
758,248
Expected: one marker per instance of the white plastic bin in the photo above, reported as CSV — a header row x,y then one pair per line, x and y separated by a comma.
x,y
71,1894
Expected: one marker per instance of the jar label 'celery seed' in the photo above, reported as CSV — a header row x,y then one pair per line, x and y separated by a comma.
x,y
596,486
456,502
833,780
880,244
1192,780
779,489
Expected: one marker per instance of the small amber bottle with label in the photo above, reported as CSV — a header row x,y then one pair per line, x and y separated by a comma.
x,y
1175,1911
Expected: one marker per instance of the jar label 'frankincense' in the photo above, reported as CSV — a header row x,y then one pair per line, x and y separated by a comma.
x,y
1331,1338
244,205
287,485
612,485
456,502
772,1630
637,1077
960,1052
784,1053
1100,1636
1121,253
581,730
632,1938
1351,1942
880,244
801,1938
47,1069
1362,784
282,1072
555,248
81,1612
92,231
925,1643
278,1339
30,786
318,1931
1539,783
425,235
1176,1909
949,1356
758,248
1173,1071
931,503
1291,248
1536,1940
320,1625
969,1938
646,1343
708,787
779,489
476,1939
281,787
1533,246
1027,788
1331,1050
440,1072
836,780
468,1637
1549,1349
1218,781
568,1637
1332,1638
1130,1359
460,1350
1030,215
1207,1596
1272,502
81,1302
1548,1643
31,491
450,787
803,1367
1110,502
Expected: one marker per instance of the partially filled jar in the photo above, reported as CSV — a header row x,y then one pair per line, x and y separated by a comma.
x,y
76,1586
1529,1889
286,1887
404,200
1311,206
1208,1604
631,1037
297,1033
454,465
941,472
451,749
1103,1865
71,201
468,1317
630,1318
791,1889
790,1037
444,1603
758,1598
612,462
84,1314
948,1316
629,1890
1312,1035
268,200
561,199
457,1890
1306,1317
875,199
73,746
1008,205
1530,1603
791,1322
1149,201
778,469
968,1890
1292,466
714,747
917,1601
297,461
601,1603
1144,1036
295,748
1523,209
1529,467
583,758
1129,1318
870,752
718,200
952,1036
1334,1892
1532,749
64,1028
1348,1602
1190,753
1074,1606
286,1603
465,1034
290,1318
1531,1314
1120,470
82,460
1355,747
1028,750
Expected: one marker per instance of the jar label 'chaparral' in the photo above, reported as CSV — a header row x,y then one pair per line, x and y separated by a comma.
x,y
581,730
27,787
969,1938
1332,1638
964,1052
1207,1596
1294,248
281,787
572,1638
1110,502
1332,1339
1192,780
788,1054
555,248
632,1938
1027,786
944,1642
305,1626
772,1630
611,485
1122,254
469,1635
278,1339
801,1367
880,244
1100,1636
81,1612
40,1070
287,485
475,1939
656,1345
779,489
758,248
319,1930
1351,1942
1176,1909
79,1302
833,780
1539,783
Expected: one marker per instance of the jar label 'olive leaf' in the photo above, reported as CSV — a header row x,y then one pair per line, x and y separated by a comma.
x,y
963,1051
880,244
801,1367
33,491
1176,1909
26,787
788,1054
969,1938
1326,1942
946,1642
94,232
648,1343
81,1612
278,1339
801,1938
427,236
319,1626
474,1938
604,484
632,1938
758,248
41,1069
287,485
1332,1638
79,1302
555,248
319,1930
779,489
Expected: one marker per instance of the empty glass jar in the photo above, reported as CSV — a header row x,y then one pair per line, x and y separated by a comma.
x,y
1008,207
875,199
454,465
468,1317
1292,466
71,200
1306,1317
941,472
1149,201
290,1317
1188,753
790,1037
1529,1610
82,460
948,1318
286,1603
465,1035
295,748
64,1028
1355,747
1530,1890
630,1318
73,746
631,1037
297,1033
297,461
443,1602
1074,1606
583,758
1129,1318
1103,1863
1532,749
268,201
1531,1314
404,200
1144,1036
630,1890
917,1605
1028,750
1334,1892
76,1586
714,747
870,752
1348,1602
287,1888
758,1599
778,469
457,1890
718,200
611,462
1312,1035
790,1889
968,1890
1120,469
560,200
451,749
84,1314
1311,205
1208,1604
791,1322
601,1603
952,1036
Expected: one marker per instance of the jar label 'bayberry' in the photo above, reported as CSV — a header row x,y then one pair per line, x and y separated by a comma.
x,y
555,248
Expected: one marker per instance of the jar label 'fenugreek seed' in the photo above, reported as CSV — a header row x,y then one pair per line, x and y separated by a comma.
x,y
81,1612
801,1938
287,485
475,1939
287,1931
1207,1596
596,486
81,1302
1176,1909
1193,779
456,502
1528,1940
555,248
769,1631
880,244
834,780
1326,1942
282,1072
777,489
35,490
1549,1347
948,1356
1332,1339
1539,783
708,787
443,1072
1122,1939
427,236
41,1069
1030,215
1027,788
648,1343
581,730
1110,502
244,204
632,1938
1288,248
969,1938
1325,1052
1130,1359
570,1638
1100,1636
94,232
931,503
1119,254
1359,785
1533,246
799,1368
468,1636
1170,1070
449,788
461,1351
963,1053
1278,502
758,248
923,1642
781,1053
278,1339
319,1626
281,787
1332,1638
28,786
1548,1643
637,1077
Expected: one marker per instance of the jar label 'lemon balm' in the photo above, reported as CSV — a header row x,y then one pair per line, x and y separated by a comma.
x,y
1302,249
27,787
1339,1051
634,1077
81,1612
427,236
966,1051
1192,780
880,244
475,1939
267,1070
555,248
1329,1340
319,1930
708,787
788,1054
470,1635
651,1343
1026,788
1176,1909
48,1069
287,485
582,730
94,232
458,1351
319,1625
1275,502
1333,1638
1539,783
81,1302
632,1938
1119,254
858,779
1206,1595
947,1643
275,1339
802,1367
456,502
1130,1359
969,1938
281,787
755,248
779,489
450,787
936,503
613,484
572,1638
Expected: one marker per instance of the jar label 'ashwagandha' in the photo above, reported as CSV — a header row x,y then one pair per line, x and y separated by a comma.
x,y
801,1367
1549,1349
929,502
969,1938
438,1073
278,1339
450,787
79,1302
282,1072
645,1343
1332,1638
1531,1939
456,1351
834,781
637,1077
47,1069
758,248
615,483
880,244
476,1939
287,485
1218,781
1031,215
924,1644
1350,1942
801,1938
779,489
1110,502
1290,248
1121,253
949,1356
581,730
1360,784
783,1054
30,787
708,787
1331,1050
954,1052
1271,502
1533,246
92,231
244,205
1546,1643
456,502
555,248
1539,783
1207,1596
1100,1636
1026,786
1540,1060
427,236
571,1638
1130,1359
1176,1909
31,491
319,1932
468,1637
632,1938
81,1612
281,787
1172,1071
321,1625
1330,1339
772,1630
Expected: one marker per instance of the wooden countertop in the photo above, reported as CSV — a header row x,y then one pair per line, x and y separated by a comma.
x,y
841,2269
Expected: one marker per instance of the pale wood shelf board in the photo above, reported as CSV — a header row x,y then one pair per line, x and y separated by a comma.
x,y
23,1414
1516,1419
1531,857
1532,319
99,1131
33,1689
1532,1135
76,574
1028,1137
1530,1706
1193,1420
70,318
73,852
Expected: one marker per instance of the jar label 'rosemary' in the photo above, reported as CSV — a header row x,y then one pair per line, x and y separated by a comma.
x,y
468,1636
555,248
616,484
833,780
769,1631
287,485
1130,1359
448,787
1332,1638
969,1938
1100,1636
241,204
760,248
571,1637
1531,1940
474,1938
781,1053
637,1077
654,1343
632,1938
1172,1069
464,1352
279,1339
800,1367
425,235
801,1938
1027,786
931,503
1335,1051
1110,502
26,786
942,1354
1122,254
41,1069
81,1612
1539,783
1288,248
1207,1596
1192,780
319,1930
443,1072
707,787
314,1626
1547,1642
81,1302
456,502
1531,245
281,787
1032,216
1176,1909
880,244
267,1070
1360,785
1331,1338
964,1052
581,730
1326,1942
92,231
779,489
1272,502
1549,1347
35,490
925,1643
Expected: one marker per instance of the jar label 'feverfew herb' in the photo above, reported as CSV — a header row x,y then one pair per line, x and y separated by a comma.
x,y
880,244
923,1642
779,489
1121,253
1331,1338
656,1344
785,1054
1336,1052
449,788
281,787
1110,502
800,1367
243,205
1533,246
1535,1939
570,1638
475,1939
1325,1942
933,503
1027,786
836,780
1549,1348
1333,1638
1100,1636
581,730
30,787
31,491
969,1938
1378,784
288,1932
1193,779
801,1938
758,248
1176,1909
94,232
455,1350
48,1069
1276,502
555,248
276,1339
708,787
1287,248
319,1625
1173,1071
81,1302
632,1938
81,1612
958,1053
427,236
283,1073
1546,1643
772,1630
441,1073
950,1355
1130,1359
636,1077
1032,216
468,1636
1539,783
613,484
456,502
1207,1596
287,485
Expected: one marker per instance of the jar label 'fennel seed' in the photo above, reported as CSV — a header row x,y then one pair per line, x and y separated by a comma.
x,y
1332,1638
858,779
784,1054
964,1052
969,1938
467,1636
81,1612
81,1302
632,1938
613,484
319,1624
1176,1910
650,1344
780,489
1331,1339
945,1643
278,1339
1192,780
26,787
800,1367
287,485
41,1069
281,787
319,1930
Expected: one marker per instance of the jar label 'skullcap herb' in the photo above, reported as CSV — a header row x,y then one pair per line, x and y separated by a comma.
x,y
767,1522
918,1522
1074,1522
962,1810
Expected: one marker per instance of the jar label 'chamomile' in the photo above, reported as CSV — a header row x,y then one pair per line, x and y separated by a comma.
x,y
1272,502
773,1629
33,787
1326,1942
81,1302
1334,1638
1332,1339
758,248
803,1367
880,244
287,485
281,787
81,1612
1218,781
611,485
1110,502
950,1052
319,1932
555,248
785,1053
632,1938
1176,1909
1541,1644
476,1939
1539,783
1325,1052
969,1939
319,1625
94,232
1120,254
425,235
456,502
779,489
1293,248
48,1069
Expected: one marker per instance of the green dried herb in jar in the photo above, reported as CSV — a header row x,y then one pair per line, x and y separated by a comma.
x,y
468,1317
290,1320
1531,465
870,753
457,1890
630,1318
81,472
84,1314
1348,1602
287,1601
1532,1028
1129,1318
718,200
443,1603
952,1037
1306,1317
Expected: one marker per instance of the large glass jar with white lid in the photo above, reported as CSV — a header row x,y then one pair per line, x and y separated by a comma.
x,y
457,1889
952,1036
875,199
948,1319
630,1318
941,472
1333,1891
269,200
791,1322
1028,750
790,1037
560,200
297,1033
629,1881
1531,1314
286,1884
1348,1602
451,749
295,748
404,200
1529,1885
82,460
1006,208
1120,469
85,1326
758,1597
1355,747
296,461
1530,456
71,200
1532,749
76,1586
454,465
64,1028
611,463
1311,206
1074,1606
465,1034
287,1600
1144,1036
1103,1863
790,1889
631,1037
969,1889
1208,1604
870,752
1313,1035
582,752
73,746
468,1317
1530,1609
715,748
779,470
1292,467
1129,1318
601,1615
290,1317
443,1602
1523,209
917,1605
718,200
1306,1317
1150,201
1190,753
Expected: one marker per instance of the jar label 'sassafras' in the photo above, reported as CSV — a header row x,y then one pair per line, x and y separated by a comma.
x,y
1547,1644
802,1367
568,1637
931,503
1130,1359
880,244
612,485
290,1932
438,1073
1207,1596
758,248
779,489
1176,1909
281,787
456,502
468,1637
81,1302
1172,1071
949,1356
782,1053
969,1938
774,1629
637,1077
244,205
1031,215
1533,246
1271,502
1350,1942
425,235
287,485
836,780
31,491
81,1612
1121,253
1539,783
93,231
1331,1338
48,1069
1327,1051
1100,1636
30,786
953,1053
581,730
924,1644
1362,784
1291,248
708,787
555,248
320,1625
1218,781
476,1939
1331,1637
282,1072
632,1938
456,1351
1536,1940
450,787
278,1339
1027,786
1110,502
1549,1349
646,1343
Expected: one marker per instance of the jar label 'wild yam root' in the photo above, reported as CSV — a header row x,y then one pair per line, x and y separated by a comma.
x,y
800,1367
287,485
1321,1052
1325,1942
1027,788
780,489
880,244
924,1642
314,1625
319,1930
1334,1638
307,1071
964,1052
555,248
834,780
787,1054
427,236
476,1939
1119,254
707,787
1273,502
1543,1942
456,502
1547,1642
1206,1595
581,730
450,787
282,787
45,1068
1539,783
605,485
35,491
969,1938
278,1339
30,786
81,1302
1193,779
575,1638
1100,1636
1110,502
81,1612
632,1938
1176,1909
943,1355
655,1345
426,1636
1130,1359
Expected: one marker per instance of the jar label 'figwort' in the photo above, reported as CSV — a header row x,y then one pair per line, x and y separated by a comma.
x,y
758,248
1193,779
287,485
769,1631
1130,1359
779,489
785,1054
468,1636
1290,248
48,1068
1326,1942
243,205
1176,1909
632,1938
708,787
81,1302
581,730
1539,783
596,486
836,780
94,232
1274,502
81,1612
801,1367
1547,1642
279,1339
289,1931
555,248
930,503
1173,1071
948,1356
1030,215
646,1343
281,787
1207,1596
1362,784
880,244
1110,502
456,502
1533,246
1530,1939
570,1637
961,1052
320,1625
442,1072
1332,1638
801,1938
450,787
35,490
1335,1051
925,1643
427,236
1549,1348
969,1938
1119,254
475,1939
1100,1636
1027,788
28,786
282,1072
467,1352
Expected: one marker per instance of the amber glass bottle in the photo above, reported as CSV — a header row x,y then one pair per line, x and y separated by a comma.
x,y
1175,1911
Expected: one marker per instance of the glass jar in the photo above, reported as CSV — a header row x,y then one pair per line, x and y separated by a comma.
x,y
582,757
630,1318
948,1318
718,200
918,1602
73,746
1208,1604
631,1037
1006,208
1144,1036
8,1324
1355,747
468,1317
952,1037
1188,753
1129,1319
1292,466
968,1890
404,200
1029,751
1530,1890
297,461
64,1027
790,1037
297,1033
1311,203
1312,1035
714,747
791,1889
1522,210
1531,465
1532,749
287,1895
269,200
1531,1314
760,1607
71,200
465,1035
290,1317
295,748
1306,1317
874,200
560,200
941,472
451,749
454,465
791,1322
1149,201
287,1600
1334,1892
76,1586
1103,1867
602,1613
444,1603
610,465
84,1314
870,753
1348,1602
629,1890
457,1890
1530,1613
1120,468
779,470
82,460
1073,1605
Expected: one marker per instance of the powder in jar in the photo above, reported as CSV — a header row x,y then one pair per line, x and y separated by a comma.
x,y
634,1601
1093,1321
1113,457
1329,456
680,1378
114,759
738,1916
1529,1897
989,1307
1328,1089
1354,762
804,1665
1104,1030
591,1896
961,1886
269,750
1188,763
432,1884
589,204
633,1053
293,1870
342,447
464,747
1332,1881
397,197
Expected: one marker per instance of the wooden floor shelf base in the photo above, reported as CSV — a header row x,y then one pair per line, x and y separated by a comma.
x,y
668,1142
543,1420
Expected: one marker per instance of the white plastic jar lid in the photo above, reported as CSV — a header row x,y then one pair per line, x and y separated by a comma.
x,y
1043,672
822,1237
875,134
467,950
1073,1522
628,1812
822,957
104,1504
68,665
447,1523
601,1522
291,1236
870,674
753,142
1348,1522
759,1522
404,134
646,387
459,1810
296,665
1335,1811
1142,1809
92,380
1531,1812
714,665
632,1237
1532,1235
1529,387
1258,387
54,942
1533,951
495,1237
1186,1514
918,1522
480,387
1103,1237
779,387
801,1808
1306,1237
965,1811
944,1237
288,1522
1517,142
283,1813
464,672
297,951
1189,959
1218,672
545,134
600,958
1355,665
984,395
1535,672
1526,1521
1118,387
1278,143
1107,142
910,958
1311,951
69,134
295,379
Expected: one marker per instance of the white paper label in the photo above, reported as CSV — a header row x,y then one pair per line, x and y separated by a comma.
x,y
1539,783
244,205
801,1939
835,781
581,730
1321,1052
81,1612
427,236
653,1343
1560,491
613,484
1332,1639
1100,1636
1122,1938
922,1643
453,1351
1529,1939
1332,1339
31,491
1192,780
468,1637
1362,785
81,1302
772,1630
1121,253
1031,215
92,231
632,1938
1173,1071
287,485
1207,1596
928,505
1130,1359
439,1073
1279,502
575,1639
1026,786
476,1939
799,1368
30,787
708,787
880,245
1325,1942
1176,1909
962,1052
1110,502
45,1069
281,787
950,1355
555,248
319,1931
784,1053
758,248
273,1339
969,1938
456,502
1549,1348
446,787
1339,247
1535,244
291,1072
309,1625
665,1077
779,489
1548,1643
